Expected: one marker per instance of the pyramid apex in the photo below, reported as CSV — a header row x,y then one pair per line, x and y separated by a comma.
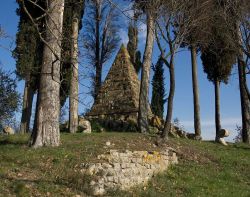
x,y
123,50
122,46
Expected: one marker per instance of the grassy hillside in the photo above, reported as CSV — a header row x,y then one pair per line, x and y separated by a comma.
x,y
204,169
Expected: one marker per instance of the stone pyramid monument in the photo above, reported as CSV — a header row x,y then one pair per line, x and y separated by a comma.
x,y
118,99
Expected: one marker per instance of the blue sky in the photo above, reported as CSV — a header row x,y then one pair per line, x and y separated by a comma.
x,y
183,101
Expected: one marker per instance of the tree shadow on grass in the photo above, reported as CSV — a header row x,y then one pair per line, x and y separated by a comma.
x,y
5,142
242,146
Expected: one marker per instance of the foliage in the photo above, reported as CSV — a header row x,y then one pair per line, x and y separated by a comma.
x,y
29,48
71,8
158,93
9,97
220,54
218,60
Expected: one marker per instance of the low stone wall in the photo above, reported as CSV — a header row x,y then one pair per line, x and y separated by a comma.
x,y
123,170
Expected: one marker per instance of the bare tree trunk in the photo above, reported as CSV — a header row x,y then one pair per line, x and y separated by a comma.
x,y
217,109
167,126
34,134
245,103
27,108
73,99
98,76
144,88
46,131
197,124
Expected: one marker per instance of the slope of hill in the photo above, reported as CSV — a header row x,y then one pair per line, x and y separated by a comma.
x,y
204,169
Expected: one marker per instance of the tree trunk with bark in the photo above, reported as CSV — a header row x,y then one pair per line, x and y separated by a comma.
x,y
167,126
46,131
144,88
217,109
197,124
27,107
73,99
98,66
245,103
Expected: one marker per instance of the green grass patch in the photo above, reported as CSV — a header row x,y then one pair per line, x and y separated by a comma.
x,y
204,169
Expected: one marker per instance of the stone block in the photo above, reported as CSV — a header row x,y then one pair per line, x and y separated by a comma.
x,y
138,168
110,178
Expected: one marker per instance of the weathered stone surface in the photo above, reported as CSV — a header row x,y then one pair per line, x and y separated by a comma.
x,y
124,170
8,130
119,95
222,141
84,125
223,133
192,136
118,99
157,122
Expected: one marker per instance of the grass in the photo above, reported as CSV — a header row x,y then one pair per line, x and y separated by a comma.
x,y
204,169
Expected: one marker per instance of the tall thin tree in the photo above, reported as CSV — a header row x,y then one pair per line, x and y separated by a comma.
x,y
101,37
220,54
77,9
150,8
218,60
172,15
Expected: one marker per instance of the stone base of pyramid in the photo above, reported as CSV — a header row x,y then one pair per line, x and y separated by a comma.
x,y
117,122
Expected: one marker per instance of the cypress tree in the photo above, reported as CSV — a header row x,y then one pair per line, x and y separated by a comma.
x,y
158,92
72,24
28,56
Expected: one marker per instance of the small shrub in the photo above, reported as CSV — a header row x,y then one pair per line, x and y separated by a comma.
x,y
238,137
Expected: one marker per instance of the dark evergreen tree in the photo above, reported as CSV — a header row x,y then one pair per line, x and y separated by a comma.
x,y
218,59
28,54
29,48
158,93
71,7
